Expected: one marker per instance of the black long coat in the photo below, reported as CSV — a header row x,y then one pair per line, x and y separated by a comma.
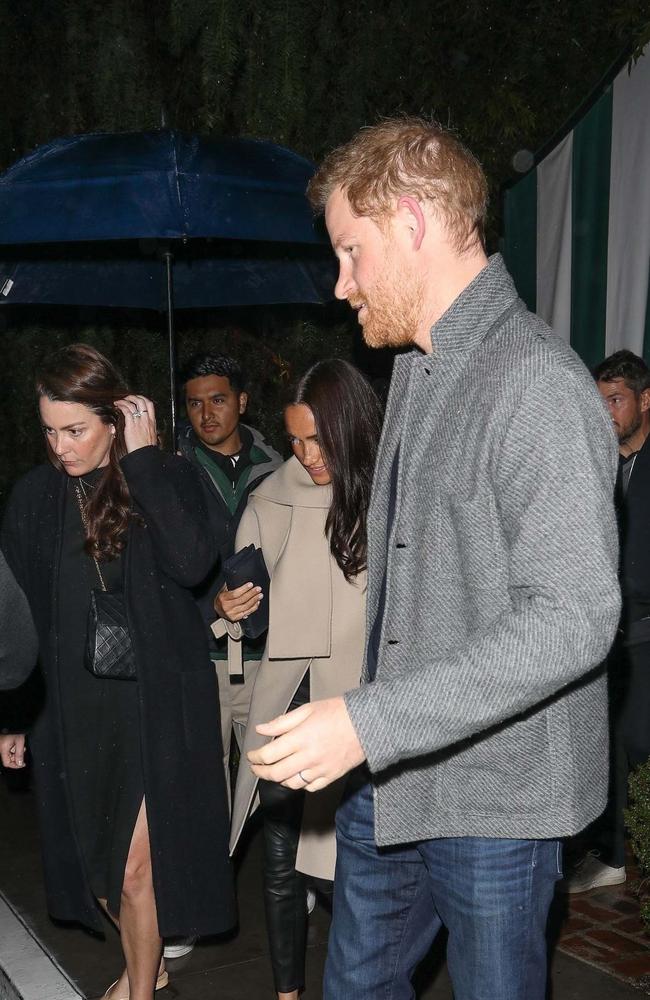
x,y
182,766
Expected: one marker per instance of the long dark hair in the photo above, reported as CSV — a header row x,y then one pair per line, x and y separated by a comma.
x,y
348,421
80,374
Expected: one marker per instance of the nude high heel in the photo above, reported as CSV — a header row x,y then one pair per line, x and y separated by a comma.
x,y
161,982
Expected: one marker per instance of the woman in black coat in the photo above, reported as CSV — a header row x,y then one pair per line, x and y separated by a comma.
x,y
129,778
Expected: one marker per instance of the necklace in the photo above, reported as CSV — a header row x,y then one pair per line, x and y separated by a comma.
x,y
82,500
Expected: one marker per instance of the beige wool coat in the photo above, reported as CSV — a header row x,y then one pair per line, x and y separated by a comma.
x,y
316,622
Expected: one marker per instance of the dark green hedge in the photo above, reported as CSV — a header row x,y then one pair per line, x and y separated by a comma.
x,y
638,822
303,73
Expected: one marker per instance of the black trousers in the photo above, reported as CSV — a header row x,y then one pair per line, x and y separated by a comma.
x,y
285,889
629,677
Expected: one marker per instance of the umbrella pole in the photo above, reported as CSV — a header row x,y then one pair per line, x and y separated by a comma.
x,y
171,335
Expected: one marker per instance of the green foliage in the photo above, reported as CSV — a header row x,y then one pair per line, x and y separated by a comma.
x,y
303,73
637,818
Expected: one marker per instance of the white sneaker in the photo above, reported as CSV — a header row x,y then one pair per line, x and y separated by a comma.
x,y
591,873
311,901
178,947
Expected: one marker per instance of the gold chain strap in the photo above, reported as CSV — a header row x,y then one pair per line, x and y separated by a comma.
x,y
79,489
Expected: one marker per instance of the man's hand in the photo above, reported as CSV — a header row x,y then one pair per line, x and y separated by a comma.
x,y
315,744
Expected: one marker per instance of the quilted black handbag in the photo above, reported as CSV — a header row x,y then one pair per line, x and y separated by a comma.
x,y
109,651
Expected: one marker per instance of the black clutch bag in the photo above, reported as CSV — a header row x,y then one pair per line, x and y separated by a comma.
x,y
248,566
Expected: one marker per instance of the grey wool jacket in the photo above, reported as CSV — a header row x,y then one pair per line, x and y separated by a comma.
x,y
488,712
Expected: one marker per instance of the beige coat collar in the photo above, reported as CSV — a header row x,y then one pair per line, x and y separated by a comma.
x,y
292,486
300,608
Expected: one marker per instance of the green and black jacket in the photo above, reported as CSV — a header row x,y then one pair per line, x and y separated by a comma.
x,y
226,505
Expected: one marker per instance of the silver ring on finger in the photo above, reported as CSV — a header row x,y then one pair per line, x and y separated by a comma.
x,y
136,414
303,778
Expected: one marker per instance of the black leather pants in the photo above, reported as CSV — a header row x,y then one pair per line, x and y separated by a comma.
x,y
285,889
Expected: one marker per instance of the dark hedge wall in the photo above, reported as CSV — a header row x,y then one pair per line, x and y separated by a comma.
x,y
305,73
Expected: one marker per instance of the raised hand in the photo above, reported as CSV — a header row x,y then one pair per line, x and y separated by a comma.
x,y
12,751
139,421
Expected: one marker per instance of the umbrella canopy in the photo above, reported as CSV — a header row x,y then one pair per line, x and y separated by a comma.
x,y
157,185
160,219
141,283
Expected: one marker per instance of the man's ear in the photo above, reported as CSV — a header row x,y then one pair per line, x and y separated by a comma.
x,y
243,402
645,400
409,213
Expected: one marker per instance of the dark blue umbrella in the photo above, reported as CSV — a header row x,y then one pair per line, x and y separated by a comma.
x,y
157,219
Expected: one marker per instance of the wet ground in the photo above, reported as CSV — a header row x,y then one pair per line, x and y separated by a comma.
x,y
600,928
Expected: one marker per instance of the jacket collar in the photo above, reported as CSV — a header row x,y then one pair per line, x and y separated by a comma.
x,y
292,486
471,315
187,441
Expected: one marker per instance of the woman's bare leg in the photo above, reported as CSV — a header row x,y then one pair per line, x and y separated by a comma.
x,y
138,923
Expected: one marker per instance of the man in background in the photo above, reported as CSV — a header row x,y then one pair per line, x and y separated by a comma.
x,y
623,380
232,459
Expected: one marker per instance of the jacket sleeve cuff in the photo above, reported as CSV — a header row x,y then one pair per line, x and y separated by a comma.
x,y
366,717
141,462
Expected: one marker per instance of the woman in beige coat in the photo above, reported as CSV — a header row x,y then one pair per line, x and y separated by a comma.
x,y
309,518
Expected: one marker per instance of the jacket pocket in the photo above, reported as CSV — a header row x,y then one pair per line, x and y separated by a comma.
x,y
507,772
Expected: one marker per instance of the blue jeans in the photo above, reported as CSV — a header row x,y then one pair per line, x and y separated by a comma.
x,y
492,895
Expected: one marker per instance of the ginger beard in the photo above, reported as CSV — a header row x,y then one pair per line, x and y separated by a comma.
x,y
393,305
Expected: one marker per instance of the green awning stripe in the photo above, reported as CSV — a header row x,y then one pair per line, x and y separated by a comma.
x,y
520,243
592,139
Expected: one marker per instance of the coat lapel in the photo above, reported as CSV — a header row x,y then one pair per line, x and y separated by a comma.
x,y
421,390
295,586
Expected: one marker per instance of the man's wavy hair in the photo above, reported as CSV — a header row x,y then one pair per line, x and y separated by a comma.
x,y
206,364
80,374
348,419
408,156
626,365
